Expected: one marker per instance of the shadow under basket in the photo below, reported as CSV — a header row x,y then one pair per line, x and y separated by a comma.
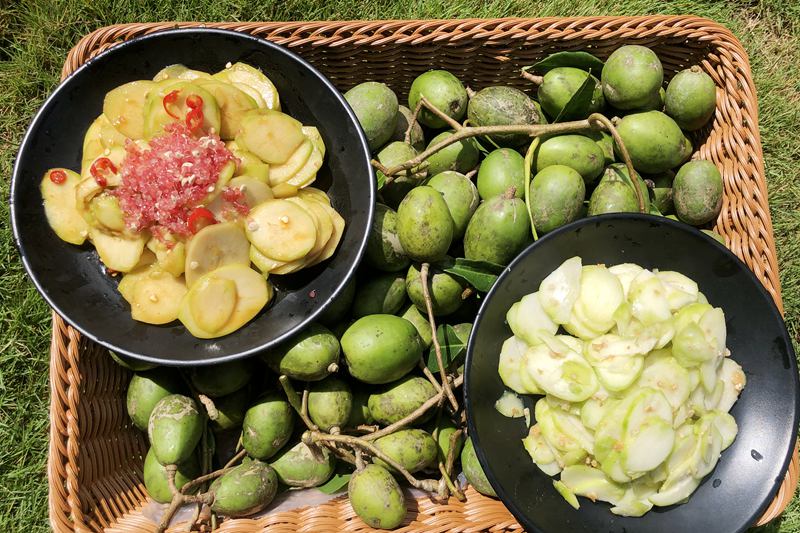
x,y
96,455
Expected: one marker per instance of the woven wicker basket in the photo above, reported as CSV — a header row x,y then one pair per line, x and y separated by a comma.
x,y
95,462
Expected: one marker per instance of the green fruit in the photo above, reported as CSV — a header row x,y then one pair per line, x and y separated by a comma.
x,y
686,149
501,169
375,106
631,75
298,466
223,379
399,399
691,98
231,409
557,194
558,87
359,413
697,192
155,476
340,307
442,433
329,403
424,224
473,471
654,142
662,192
414,449
384,293
498,230
605,141
376,497
245,490
131,363
619,172
404,118
393,154
461,156
381,348
308,356
575,151
714,235
146,389
413,315
174,429
442,90
460,195
503,106
613,197
445,290
384,251
267,426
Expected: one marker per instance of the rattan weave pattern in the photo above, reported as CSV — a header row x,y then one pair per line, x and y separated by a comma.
x,y
95,456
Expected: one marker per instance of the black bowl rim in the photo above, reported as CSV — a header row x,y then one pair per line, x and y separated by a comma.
x,y
643,218
275,48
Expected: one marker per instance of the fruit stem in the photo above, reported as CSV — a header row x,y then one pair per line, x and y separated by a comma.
x,y
427,485
428,374
527,169
447,468
534,130
414,415
597,118
179,498
414,116
533,78
423,274
300,406
436,111
195,516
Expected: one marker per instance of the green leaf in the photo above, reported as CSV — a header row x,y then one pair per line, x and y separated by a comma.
x,y
578,106
581,60
381,179
336,483
479,274
453,348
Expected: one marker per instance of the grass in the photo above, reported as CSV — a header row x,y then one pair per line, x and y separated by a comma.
x,y
35,36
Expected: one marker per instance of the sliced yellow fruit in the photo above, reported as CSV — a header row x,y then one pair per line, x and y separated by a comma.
x,y
180,72
100,135
252,294
170,258
156,116
254,94
322,221
213,302
284,190
333,242
106,212
281,229
271,135
249,163
60,207
118,252
157,297
247,75
306,175
315,137
123,106
255,191
233,104
310,193
216,246
286,171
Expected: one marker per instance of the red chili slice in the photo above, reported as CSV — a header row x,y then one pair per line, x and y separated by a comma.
x,y
199,218
194,119
194,101
169,100
100,169
58,176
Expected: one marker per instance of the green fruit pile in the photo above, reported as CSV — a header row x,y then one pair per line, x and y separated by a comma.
x,y
572,174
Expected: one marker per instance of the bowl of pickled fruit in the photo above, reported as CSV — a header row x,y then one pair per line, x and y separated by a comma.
x,y
629,373
192,196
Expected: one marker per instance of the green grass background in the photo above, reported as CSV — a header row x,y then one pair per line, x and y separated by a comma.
x,y
35,36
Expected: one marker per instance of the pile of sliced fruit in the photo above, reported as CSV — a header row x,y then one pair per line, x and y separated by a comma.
x,y
635,396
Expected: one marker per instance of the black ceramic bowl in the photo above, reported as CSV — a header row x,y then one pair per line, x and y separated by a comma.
x,y
744,481
71,278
